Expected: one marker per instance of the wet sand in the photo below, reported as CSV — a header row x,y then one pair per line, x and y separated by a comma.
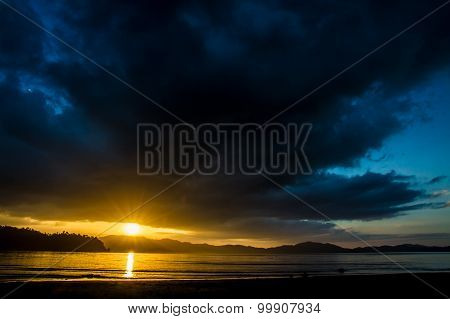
x,y
343,286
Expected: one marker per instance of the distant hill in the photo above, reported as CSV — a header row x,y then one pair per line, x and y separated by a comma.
x,y
12,238
308,248
142,244
405,248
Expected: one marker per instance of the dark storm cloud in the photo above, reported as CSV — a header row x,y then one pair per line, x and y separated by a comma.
x,y
278,229
67,128
366,197
20,43
245,61
437,179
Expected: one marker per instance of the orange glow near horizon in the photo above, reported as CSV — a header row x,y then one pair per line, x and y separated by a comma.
x,y
94,228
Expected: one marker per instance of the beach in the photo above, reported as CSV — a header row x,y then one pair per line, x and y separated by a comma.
x,y
339,286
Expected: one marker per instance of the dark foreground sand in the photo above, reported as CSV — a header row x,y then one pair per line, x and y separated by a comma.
x,y
345,286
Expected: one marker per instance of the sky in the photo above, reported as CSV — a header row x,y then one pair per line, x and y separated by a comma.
x,y
379,145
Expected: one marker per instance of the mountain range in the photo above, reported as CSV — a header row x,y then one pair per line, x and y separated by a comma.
x,y
143,244
12,238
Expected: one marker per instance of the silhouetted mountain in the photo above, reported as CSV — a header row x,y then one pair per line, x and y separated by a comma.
x,y
308,247
405,248
12,238
142,244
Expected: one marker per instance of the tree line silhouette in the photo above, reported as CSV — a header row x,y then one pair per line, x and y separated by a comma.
x,y
12,238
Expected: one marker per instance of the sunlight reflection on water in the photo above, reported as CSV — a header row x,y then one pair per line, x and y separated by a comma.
x,y
130,265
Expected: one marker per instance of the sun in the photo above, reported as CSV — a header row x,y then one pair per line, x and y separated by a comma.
x,y
131,229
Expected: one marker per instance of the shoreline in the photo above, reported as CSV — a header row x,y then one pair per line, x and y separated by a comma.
x,y
338,286
305,275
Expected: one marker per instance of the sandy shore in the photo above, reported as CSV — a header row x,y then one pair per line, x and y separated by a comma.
x,y
345,286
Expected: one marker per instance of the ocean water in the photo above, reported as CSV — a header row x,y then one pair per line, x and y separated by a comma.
x,y
130,266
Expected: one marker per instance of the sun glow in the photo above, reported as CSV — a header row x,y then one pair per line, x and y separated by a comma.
x,y
131,229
